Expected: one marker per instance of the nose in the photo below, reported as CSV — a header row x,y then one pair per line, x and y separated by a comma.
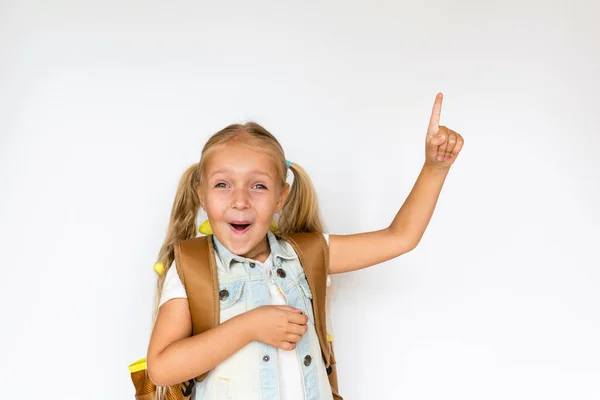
x,y
240,199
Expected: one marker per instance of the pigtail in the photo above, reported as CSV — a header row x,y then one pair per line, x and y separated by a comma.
x,y
300,212
182,224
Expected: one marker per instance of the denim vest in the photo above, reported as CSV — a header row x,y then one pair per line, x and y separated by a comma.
x,y
252,373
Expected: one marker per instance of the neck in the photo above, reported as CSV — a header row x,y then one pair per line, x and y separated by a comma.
x,y
260,252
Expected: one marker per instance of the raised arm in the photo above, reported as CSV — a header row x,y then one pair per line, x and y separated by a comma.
x,y
351,252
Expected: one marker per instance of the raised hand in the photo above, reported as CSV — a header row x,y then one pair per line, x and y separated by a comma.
x,y
442,144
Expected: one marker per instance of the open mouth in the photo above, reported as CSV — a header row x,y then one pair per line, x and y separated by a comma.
x,y
239,227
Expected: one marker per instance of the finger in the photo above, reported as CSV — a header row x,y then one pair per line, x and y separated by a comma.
x,y
434,121
287,346
292,338
441,150
451,143
437,140
297,329
300,319
459,145
290,309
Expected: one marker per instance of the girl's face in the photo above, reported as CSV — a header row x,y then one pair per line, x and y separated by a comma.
x,y
241,193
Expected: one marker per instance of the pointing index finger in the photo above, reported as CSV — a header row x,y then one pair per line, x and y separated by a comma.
x,y
434,121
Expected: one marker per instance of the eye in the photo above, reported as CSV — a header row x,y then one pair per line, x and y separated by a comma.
x,y
260,186
221,185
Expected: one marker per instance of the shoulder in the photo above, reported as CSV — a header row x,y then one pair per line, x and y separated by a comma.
x,y
303,242
301,234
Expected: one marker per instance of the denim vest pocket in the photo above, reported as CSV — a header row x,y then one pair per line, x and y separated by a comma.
x,y
231,299
307,298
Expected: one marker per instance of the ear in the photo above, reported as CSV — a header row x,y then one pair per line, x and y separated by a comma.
x,y
284,194
199,193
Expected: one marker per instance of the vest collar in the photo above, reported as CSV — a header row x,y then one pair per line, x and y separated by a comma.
x,y
277,251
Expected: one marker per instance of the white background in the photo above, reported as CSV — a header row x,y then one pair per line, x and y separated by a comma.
x,y
103,104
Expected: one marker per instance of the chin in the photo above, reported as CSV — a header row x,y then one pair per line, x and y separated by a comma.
x,y
238,248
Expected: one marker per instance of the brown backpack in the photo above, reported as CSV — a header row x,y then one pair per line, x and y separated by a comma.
x,y
197,269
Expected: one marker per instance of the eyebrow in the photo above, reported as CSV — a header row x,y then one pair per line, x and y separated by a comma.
x,y
253,172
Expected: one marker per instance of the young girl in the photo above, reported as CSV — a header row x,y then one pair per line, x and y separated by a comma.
x,y
240,182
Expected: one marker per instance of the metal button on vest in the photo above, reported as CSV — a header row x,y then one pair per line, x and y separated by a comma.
x,y
307,360
281,273
266,358
223,294
252,265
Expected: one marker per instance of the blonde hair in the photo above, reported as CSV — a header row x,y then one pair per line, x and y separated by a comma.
x,y
300,212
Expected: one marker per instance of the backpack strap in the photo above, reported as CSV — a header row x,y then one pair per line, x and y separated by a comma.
x,y
313,252
197,269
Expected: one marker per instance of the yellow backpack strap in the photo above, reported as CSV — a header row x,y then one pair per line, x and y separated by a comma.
x,y
313,252
197,269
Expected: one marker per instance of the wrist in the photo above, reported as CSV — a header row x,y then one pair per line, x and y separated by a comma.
x,y
247,326
435,169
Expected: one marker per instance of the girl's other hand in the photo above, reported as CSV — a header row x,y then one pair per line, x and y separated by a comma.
x,y
442,144
279,326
